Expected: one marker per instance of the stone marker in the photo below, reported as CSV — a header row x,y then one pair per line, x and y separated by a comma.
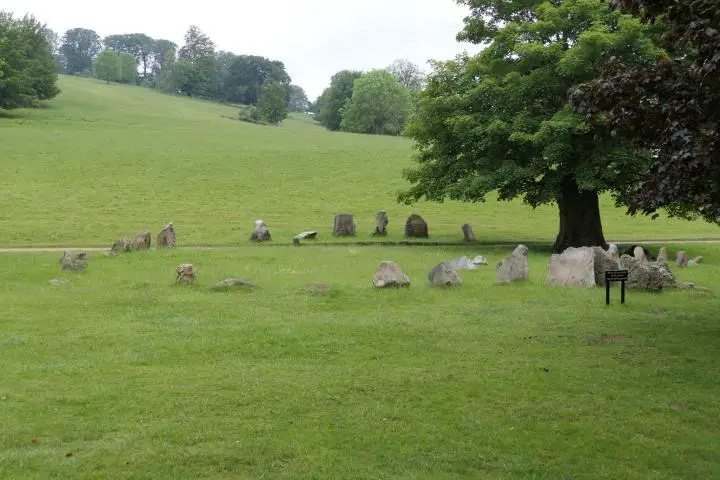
x,y
381,222
389,274
166,237
639,254
315,288
444,275
344,225
68,263
695,261
304,236
651,276
480,260
58,282
468,234
682,259
603,262
185,273
260,232
141,241
515,267
575,267
416,227
462,263
662,255
613,252
633,249
233,284
121,245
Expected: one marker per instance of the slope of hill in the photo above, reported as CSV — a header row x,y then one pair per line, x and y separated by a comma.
x,y
108,160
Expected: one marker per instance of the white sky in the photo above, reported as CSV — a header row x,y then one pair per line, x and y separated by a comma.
x,y
314,38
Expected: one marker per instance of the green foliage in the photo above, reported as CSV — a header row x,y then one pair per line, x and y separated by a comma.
x,y
380,104
272,105
333,99
79,47
139,45
128,68
107,66
408,74
197,45
245,76
27,67
250,114
298,101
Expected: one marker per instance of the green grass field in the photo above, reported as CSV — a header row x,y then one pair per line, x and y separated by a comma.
x,y
109,160
118,373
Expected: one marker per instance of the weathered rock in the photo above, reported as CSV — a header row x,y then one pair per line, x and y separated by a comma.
x,y
233,284
682,259
639,254
416,227
311,235
695,261
468,234
68,263
260,232
344,225
166,238
389,274
515,267
121,245
141,241
315,288
185,273
662,255
81,256
381,222
444,274
58,282
633,249
575,267
651,276
613,252
603,262
480,260
462,263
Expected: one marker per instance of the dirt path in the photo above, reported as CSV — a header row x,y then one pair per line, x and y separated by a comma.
x,y
353,244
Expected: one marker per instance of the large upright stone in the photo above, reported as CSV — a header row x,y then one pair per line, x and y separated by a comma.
x,y
603,262
468,234
381,222
70,263
682,259
613,252
639,254
166,238
444,275
389,274
662,255
121,245
185,273
141,241
260,232
651,276
416,227
575,267
515,267
344,225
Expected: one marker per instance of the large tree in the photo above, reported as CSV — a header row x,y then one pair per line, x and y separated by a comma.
x,y
298,101
107,66
672,107
407,73
197,45
272,105
500,121
27,67
380,104
138,45
246,74
333,99
80,46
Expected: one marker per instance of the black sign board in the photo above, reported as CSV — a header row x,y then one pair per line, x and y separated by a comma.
x,y
615,276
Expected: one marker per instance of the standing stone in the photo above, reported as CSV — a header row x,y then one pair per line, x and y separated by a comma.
x,y
185,273
344,225
682,259
639,254
312,235
695,261
652,276
515,267
141,241
468,234
260,232
68,263
613,252
416,227
381,222
389,274
575,267
480,260
166,237
462,263
121,245
604,262
662,255
444,275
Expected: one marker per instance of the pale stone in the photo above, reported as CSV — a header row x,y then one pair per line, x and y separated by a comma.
x,y
381,222
344,225
444,275
389,274
462,263
613,252
604,262
515,267
166,237
68,263
480,260
662,255
682,259
311,235
121,245
651,276
695,261
185,273
639,254
141,241
260,232
575,267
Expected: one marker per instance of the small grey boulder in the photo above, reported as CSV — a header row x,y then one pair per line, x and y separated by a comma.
x,y
444,275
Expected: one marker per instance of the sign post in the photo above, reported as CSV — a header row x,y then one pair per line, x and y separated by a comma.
x,y
615,276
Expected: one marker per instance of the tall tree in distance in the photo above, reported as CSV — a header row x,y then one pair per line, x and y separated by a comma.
x,y
298,101
500,121
197,45
138,45
380,105
408,74
333,99
272,105
128,68
27,67
107,66
80,46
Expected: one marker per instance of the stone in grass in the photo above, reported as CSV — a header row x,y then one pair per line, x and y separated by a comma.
x,y
233,284
69,263
381,222
444,275
574,267
120,245
344,225
681,259
166,238
141,241
515,267
662,255
185,274
389,274
416,227
260,232
468,234
58,282
695,261
315,288
310,235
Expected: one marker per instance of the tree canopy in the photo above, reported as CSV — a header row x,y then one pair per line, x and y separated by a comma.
x,y
407,73
333,99
80,46
272,105
380,104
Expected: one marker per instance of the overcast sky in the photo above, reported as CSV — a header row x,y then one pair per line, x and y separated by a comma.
x,y
314,38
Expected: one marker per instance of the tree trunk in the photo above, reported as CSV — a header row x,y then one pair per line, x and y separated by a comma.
x,y
580,224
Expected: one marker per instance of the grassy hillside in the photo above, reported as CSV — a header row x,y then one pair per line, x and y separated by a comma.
x,y
107,160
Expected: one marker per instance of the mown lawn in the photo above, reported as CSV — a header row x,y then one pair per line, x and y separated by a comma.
x,y
121,374
109,160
